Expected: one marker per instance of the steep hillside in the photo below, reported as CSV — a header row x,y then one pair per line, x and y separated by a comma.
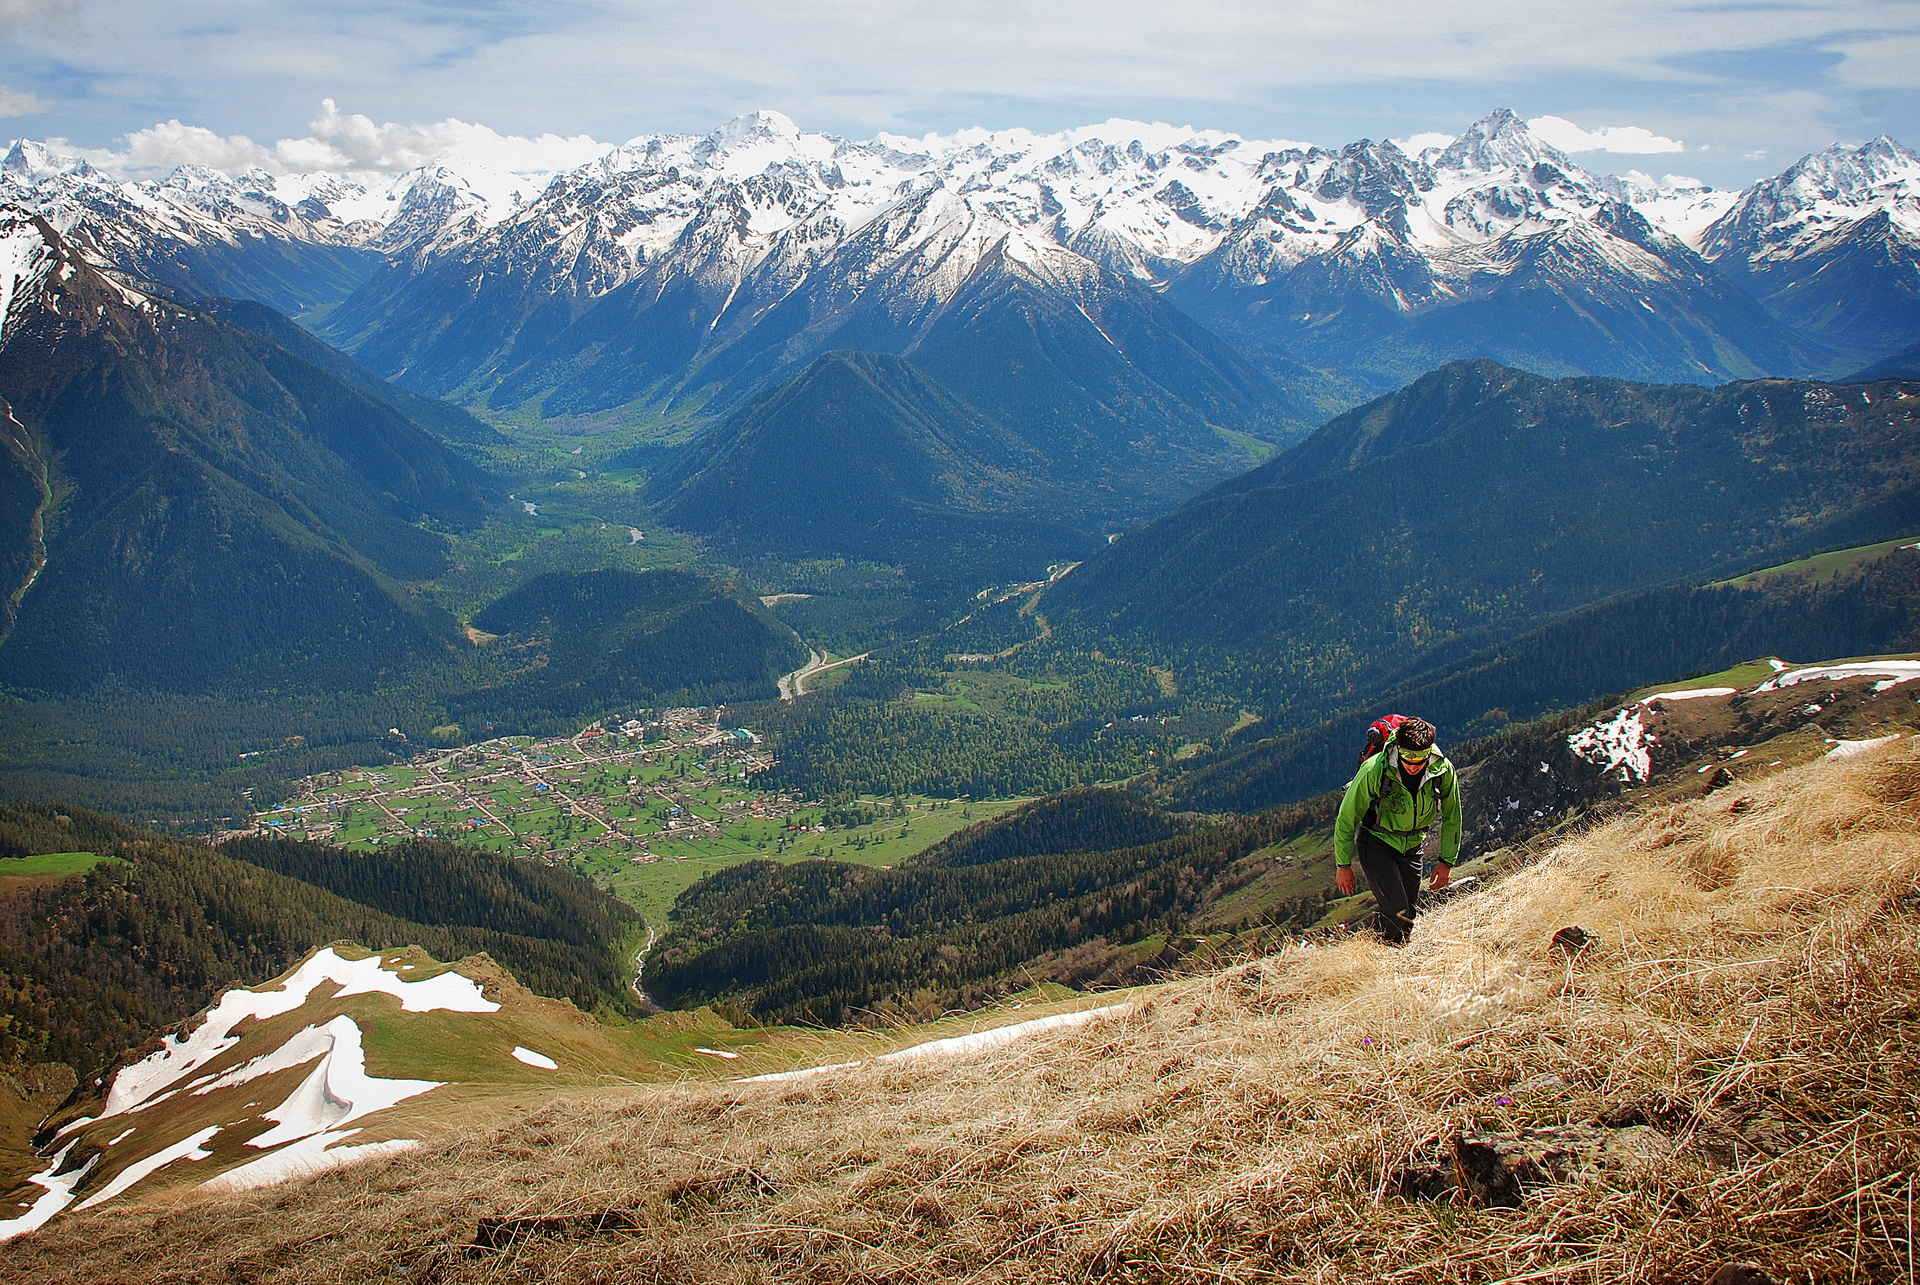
x,y
196,1101
1711,1079
444,420
93,963
1087,889
172,480
867,456
1479,499
1862,607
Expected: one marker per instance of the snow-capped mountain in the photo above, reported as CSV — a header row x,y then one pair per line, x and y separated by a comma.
x,y
706,263
1834,244
292,241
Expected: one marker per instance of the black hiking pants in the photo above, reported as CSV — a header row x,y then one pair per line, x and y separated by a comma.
x,y
1395,880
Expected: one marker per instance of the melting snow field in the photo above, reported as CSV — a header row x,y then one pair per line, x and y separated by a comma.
x,y
956,1045
336,1092
311,1155
59,1195
1894,672
142,1083
192,1147
1619,744
1692,693
1847,749
531,1058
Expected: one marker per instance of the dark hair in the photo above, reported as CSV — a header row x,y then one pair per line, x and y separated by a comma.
x,y
1415,734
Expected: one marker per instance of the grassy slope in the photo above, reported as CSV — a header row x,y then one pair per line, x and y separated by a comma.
x,y
1822,566
1745,1022
19,873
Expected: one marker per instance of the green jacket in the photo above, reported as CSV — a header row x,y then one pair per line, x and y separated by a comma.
x,y
1401,820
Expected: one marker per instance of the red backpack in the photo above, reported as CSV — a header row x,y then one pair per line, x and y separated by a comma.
x,y
1379,732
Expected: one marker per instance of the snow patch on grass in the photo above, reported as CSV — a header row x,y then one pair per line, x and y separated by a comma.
x,y
531,1058
1620,745
338,1091
302,1159
141,1083
1692,693
1848,749
59,1194
956,1045
192,1147
1894,671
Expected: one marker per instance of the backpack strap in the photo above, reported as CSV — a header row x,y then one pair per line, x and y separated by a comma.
x,y
1379,788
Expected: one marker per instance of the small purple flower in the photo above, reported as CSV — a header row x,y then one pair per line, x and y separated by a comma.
x,y
1367,1041
1504,1100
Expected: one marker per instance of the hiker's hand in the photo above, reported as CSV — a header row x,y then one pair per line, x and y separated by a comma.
x,y
1343,880
1442,876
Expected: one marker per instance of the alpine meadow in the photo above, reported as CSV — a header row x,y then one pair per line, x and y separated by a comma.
x,y
1136,646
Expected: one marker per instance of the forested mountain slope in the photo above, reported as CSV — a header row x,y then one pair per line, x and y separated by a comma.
x,y
601,639
172,479
1477,500
1100,887
1861,608
94,964
869,457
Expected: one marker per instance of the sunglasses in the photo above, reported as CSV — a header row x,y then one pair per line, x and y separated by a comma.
x,y
1415,757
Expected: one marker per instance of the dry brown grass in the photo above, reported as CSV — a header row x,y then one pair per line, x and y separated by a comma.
x,y
1746,1020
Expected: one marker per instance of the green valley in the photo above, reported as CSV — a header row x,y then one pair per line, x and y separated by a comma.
x,y
644,806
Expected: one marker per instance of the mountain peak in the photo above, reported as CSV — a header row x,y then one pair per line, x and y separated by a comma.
x,y
753,127
30,160
1499,140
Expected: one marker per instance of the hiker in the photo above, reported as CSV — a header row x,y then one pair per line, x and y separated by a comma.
x,y
1391,803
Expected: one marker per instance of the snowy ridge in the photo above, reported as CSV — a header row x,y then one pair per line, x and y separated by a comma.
x,y
1144,200
26,260
1622,743
1789,215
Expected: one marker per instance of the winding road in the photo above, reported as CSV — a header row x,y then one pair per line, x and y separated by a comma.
x,y
794,685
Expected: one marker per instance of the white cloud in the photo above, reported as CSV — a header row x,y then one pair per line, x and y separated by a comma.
x,y
347,143
169,143
351,141
18,102
1414,144
1631,139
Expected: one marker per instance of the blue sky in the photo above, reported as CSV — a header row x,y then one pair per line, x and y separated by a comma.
x,y
1741,89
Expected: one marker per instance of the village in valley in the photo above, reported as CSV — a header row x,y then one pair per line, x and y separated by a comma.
x,y
644,805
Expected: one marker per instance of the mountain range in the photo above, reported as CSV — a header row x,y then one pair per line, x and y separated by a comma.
x,y
687,261
1129,312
